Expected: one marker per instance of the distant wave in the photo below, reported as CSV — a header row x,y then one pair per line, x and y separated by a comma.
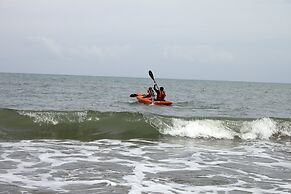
x,y
92,125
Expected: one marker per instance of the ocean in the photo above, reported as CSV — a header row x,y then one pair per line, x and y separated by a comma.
x,y
84,134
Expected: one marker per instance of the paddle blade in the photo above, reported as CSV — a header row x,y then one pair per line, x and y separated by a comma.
x,y
152,75
133,95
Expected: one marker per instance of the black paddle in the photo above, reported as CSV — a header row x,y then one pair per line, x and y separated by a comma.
x,y
133,95
152,76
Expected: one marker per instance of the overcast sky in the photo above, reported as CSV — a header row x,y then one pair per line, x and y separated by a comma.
x,y
240,40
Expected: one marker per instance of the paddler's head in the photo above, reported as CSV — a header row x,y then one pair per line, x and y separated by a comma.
x,y
162,88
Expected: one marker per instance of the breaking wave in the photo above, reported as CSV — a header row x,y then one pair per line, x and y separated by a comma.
x,y
92,125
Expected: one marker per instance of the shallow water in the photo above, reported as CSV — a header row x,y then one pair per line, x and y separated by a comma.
x,y
135,166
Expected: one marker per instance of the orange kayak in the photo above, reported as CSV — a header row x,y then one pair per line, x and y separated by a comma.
x,y
148,100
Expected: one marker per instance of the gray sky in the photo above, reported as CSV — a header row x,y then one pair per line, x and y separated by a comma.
x,y
241,40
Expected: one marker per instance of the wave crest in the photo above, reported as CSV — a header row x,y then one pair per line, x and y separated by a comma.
x,y
220,128
199,129
263,128
92,125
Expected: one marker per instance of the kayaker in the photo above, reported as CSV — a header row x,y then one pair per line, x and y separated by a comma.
x,y
150,93
161,94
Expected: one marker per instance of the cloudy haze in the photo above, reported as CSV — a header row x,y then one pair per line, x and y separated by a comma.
x,y
246,40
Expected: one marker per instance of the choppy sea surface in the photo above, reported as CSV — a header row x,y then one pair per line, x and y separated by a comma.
x,y
84,134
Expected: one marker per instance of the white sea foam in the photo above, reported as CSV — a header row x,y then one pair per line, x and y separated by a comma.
x,y
263,128
55,117
199,129
41,117
142,167
259,129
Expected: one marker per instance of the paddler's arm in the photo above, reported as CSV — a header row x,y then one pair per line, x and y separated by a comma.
x,y
156,88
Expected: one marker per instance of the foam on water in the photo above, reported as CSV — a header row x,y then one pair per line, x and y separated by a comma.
x,y
199,129
138,166
259,129
263,129
46,117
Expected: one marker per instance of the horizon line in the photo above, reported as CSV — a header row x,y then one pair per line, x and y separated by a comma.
x,y
136,77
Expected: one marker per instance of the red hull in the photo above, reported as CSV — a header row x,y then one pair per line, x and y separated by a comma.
x,y
148,100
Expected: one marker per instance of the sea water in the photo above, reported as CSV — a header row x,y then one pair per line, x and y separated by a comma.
x,y
84,134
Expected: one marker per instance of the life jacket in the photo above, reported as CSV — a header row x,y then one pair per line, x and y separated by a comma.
x,y
161,96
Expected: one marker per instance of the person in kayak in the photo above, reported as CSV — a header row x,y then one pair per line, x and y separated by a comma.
x,y
150,93
161,94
